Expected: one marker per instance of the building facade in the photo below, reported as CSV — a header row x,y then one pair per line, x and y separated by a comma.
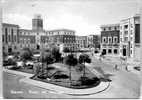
x,y
130,37
10,37
110,38
37,23
81,42
93,41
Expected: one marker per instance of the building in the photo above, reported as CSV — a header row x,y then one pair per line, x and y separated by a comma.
x,y
10,37
37,23
81,42
64,37
93,41
15,39
110,38
130,37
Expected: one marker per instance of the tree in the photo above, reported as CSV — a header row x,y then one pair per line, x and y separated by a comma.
x,y
70,60
46,59
26,54
56,54
84,58
66,50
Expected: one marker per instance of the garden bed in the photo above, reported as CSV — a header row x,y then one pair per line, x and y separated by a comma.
x,y
66,83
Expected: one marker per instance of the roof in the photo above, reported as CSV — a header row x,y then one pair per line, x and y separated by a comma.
x,y
7,24
110,25
60,30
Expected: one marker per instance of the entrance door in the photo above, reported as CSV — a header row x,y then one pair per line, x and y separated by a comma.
x,y
124,51
9,50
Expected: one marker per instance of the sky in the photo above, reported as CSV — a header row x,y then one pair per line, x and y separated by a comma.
x,y
83,16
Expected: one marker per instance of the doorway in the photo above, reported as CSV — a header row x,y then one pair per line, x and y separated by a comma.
x,y
9,50
37,47
124,51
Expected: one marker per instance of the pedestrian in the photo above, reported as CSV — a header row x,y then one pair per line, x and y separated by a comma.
x,y
116,67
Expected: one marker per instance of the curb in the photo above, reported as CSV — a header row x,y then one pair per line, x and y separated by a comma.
x,y
64,90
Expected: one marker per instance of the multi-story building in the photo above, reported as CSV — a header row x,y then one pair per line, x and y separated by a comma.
x,y
93,41
37,23
62,37
37,38
81,42
130,37
10,37
110,39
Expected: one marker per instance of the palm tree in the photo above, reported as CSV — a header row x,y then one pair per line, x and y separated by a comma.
x,y
70,60
84,58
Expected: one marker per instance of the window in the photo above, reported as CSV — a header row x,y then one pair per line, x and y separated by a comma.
x,y
2,38
9,38
109,28
131,38
131,52
12,40
115,51
109,50
115,39
110,39
131,32
131,25
104,40
126,39
126,32
15,38
126,26
120,39
6,35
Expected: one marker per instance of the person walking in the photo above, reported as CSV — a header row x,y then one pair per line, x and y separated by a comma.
x,y
116,67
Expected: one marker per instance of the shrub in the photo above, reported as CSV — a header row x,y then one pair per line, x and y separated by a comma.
x,y
88,81
62,76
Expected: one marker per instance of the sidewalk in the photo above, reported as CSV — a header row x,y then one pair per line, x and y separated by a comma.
x,y
63,90
18,73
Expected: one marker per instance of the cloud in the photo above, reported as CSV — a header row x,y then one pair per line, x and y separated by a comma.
x,y
24,21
